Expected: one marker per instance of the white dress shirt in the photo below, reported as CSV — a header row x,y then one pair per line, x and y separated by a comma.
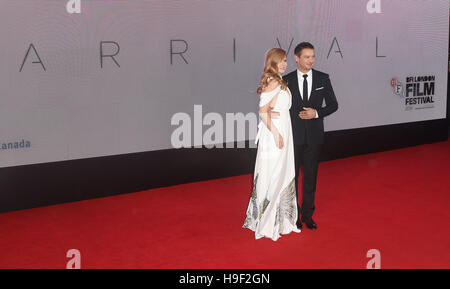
x,y
300,83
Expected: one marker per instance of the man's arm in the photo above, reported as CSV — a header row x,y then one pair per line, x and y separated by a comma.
x,y
331,104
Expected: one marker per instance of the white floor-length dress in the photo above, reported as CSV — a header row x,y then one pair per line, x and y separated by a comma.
x,y
272,209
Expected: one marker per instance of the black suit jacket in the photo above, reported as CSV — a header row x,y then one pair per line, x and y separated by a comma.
x,y
311,131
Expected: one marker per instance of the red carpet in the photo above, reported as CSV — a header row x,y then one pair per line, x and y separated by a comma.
x,y
396,202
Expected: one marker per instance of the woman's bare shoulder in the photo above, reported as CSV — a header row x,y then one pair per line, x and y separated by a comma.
x,y
272,85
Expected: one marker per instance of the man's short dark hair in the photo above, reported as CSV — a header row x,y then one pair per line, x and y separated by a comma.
x,y
301,46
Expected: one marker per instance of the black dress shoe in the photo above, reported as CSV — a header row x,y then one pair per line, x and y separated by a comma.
x,y
299,224
310,224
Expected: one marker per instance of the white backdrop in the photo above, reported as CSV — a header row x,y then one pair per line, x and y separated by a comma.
x,y
60,100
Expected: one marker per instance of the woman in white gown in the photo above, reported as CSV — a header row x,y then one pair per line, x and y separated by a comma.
x,y
272,209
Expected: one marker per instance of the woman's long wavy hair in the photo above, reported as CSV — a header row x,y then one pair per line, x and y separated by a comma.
x,y
273,57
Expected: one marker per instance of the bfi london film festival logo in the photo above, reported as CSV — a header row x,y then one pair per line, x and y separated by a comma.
x,y
418,91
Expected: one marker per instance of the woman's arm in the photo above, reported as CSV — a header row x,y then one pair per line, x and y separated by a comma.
x,y
265,111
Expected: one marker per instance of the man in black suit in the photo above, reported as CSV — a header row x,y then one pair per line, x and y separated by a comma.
x,y
309,89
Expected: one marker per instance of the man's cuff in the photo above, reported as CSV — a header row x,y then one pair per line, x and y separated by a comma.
x,y
317,114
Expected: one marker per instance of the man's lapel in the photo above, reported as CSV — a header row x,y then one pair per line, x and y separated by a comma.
x,y
314,84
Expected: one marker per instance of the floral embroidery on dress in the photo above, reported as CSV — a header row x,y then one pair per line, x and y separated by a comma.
x,y
255,211
287,207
